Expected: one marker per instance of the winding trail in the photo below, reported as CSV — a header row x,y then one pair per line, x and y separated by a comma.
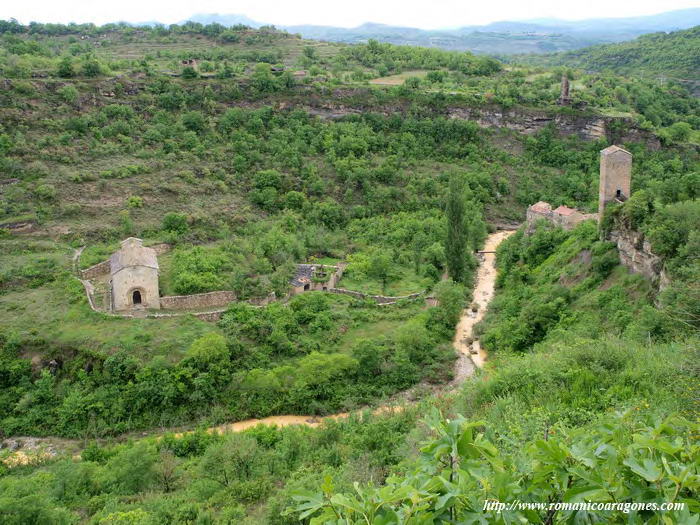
x,y
471,356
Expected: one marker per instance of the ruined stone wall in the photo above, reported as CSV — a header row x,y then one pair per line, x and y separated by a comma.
x,y
200,300
161,248
380,299
210,317
567,222
334,275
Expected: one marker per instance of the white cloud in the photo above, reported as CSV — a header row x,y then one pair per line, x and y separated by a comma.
x,y
433,14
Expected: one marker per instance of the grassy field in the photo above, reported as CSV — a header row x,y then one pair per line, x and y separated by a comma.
x,y
398,79
405,282
64,322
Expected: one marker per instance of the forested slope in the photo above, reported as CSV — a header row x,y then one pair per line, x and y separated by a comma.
x,y
675,55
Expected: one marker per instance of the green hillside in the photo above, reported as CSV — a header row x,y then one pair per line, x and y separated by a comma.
x,y
250,151
675,55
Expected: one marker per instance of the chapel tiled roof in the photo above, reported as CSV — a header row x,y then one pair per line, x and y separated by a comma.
x,y
132,253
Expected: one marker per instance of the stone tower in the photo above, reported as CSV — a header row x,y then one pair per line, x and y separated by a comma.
x,y
615,176
134,276
564,96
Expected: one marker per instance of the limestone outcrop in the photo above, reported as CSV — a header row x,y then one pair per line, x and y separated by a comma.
x,y
636,254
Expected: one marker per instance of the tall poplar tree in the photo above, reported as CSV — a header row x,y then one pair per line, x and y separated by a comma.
x,y
456,239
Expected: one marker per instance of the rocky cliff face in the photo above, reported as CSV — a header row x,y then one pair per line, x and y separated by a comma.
x,y
636,254
529,121
522,120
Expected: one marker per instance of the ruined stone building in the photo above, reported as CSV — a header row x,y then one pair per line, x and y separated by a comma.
x,y
615,176
562,216
134,276
310,277
615,179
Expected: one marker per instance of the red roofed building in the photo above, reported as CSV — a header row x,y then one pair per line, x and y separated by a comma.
x,y
565,211
562,216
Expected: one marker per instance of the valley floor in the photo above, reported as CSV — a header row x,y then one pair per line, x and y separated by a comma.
x,y
471,355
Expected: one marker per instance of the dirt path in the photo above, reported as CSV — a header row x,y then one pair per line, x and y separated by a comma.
x,y
470,356
483,293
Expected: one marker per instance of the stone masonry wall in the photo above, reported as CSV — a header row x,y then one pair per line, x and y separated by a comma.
x,y
567,222
161,248
200,300
96,270
381,299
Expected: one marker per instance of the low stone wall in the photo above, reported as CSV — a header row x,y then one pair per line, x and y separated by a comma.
x,y
89,291
380,299
96,270
210,317
200,300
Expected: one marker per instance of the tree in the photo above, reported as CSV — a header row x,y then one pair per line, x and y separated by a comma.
x,y
381,268
456,240
209,350
91,68
233,459
680,131
166,470
310,52
65,68
262,78
194,121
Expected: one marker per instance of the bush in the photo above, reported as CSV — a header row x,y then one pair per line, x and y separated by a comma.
x,y
91,68
65,68
46,192
134,202
175,222
188,72
194,121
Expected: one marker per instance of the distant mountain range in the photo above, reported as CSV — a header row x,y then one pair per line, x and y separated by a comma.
x,y
499,38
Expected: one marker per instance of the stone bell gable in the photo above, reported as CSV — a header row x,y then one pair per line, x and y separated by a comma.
x,y
134,276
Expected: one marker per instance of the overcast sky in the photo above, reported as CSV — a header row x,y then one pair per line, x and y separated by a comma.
x,y
425,14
